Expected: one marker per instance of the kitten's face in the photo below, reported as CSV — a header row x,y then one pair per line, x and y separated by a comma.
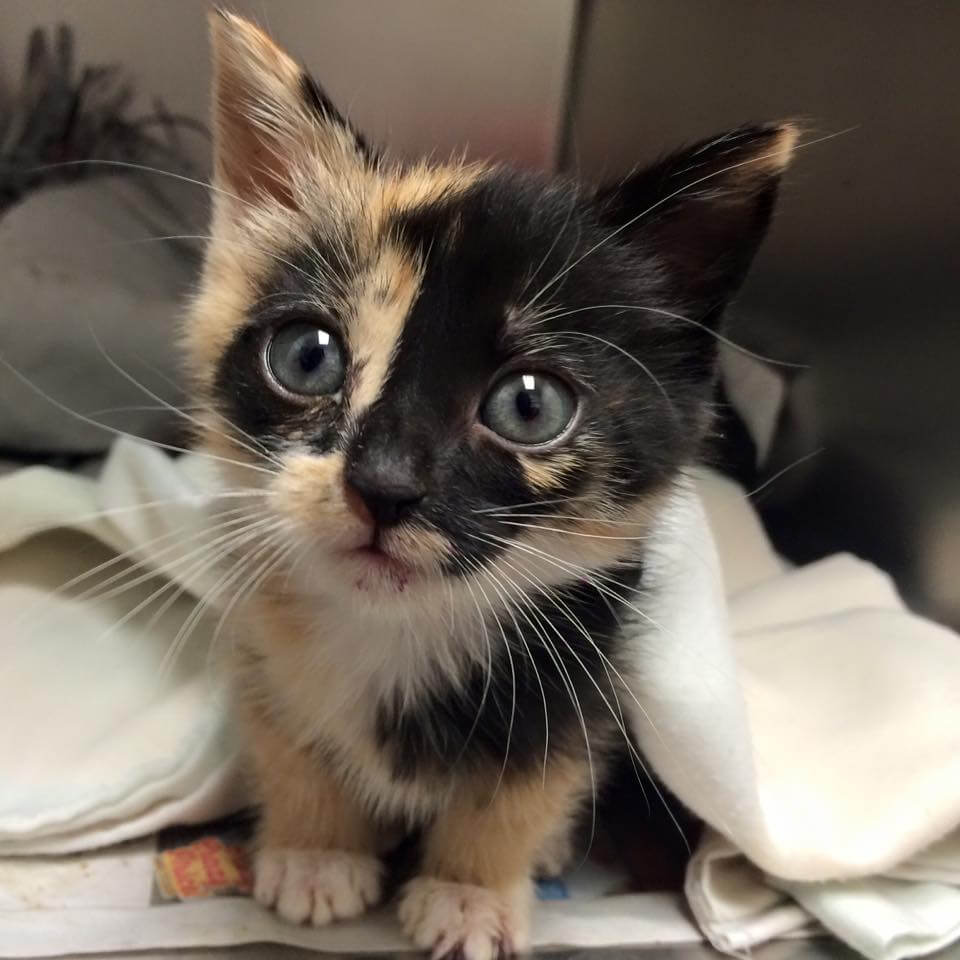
x,y
449,374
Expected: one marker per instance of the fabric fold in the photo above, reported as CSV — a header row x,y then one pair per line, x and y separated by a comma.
x,y
803,713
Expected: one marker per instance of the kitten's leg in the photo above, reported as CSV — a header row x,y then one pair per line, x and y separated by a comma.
x,y
474,893
556,852
316,859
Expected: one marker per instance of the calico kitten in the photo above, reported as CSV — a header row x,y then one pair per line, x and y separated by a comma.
x,y
464,393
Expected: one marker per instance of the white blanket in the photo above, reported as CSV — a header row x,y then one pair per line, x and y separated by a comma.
x,y
805,715
97,742
814,723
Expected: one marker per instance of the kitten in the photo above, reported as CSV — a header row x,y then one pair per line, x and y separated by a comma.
x,y
461,395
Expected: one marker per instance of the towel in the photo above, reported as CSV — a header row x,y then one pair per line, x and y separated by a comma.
x,y
804,714
98,741
814,724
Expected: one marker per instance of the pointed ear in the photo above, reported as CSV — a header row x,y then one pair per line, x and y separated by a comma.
x,y
701,213
271,121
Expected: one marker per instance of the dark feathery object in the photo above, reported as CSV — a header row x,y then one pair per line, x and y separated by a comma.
x,y
61,123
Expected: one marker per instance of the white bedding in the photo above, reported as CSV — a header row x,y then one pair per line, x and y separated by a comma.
x,y
804,714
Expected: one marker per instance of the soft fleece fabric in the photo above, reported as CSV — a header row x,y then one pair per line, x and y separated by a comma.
x,y
804,714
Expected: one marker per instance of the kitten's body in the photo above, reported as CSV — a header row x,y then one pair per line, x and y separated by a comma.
x,y
458,396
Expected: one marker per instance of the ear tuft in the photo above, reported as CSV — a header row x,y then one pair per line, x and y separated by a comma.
x,y
783,142
701,213
269,116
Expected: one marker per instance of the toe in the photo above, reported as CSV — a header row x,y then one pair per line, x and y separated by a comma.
x,y
268,875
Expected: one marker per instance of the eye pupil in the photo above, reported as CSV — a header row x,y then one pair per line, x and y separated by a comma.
x,y
528,404
311,356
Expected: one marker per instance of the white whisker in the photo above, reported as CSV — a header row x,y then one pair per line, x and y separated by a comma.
x,y
796,463
233,539
670,196
488,678
572,533
623,352
261,453
557,660
123,433
624,307
513,695
274,534
532,503
249,586
500,590
141,167
608,665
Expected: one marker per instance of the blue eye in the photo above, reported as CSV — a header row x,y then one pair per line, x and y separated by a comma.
x,y
529,408
306,359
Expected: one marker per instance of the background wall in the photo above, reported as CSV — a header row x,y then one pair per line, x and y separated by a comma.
x,y
859,277
418,74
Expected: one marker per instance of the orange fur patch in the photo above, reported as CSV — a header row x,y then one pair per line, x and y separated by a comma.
x,y
493,841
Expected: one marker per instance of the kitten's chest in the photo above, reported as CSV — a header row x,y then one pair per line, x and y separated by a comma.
x,y
332,688
405,714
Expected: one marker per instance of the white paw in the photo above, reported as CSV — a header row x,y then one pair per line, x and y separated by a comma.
x,y
473,923
316,886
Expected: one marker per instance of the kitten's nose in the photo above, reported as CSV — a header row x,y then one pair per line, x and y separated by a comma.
x,y
389,488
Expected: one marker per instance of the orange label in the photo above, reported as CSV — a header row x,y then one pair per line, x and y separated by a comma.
x,y
206,868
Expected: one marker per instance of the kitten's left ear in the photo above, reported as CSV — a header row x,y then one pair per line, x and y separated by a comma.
x,y
271,121
701,213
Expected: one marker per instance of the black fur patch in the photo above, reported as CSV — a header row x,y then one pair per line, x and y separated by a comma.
x,y
323,106
241,388
553,688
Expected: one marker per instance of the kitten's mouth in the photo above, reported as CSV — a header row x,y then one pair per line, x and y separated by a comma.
x,y
380,567
375,553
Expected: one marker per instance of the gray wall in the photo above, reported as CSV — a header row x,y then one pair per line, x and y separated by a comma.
x,y
421,75
860,275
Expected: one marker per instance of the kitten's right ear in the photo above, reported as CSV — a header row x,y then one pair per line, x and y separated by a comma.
x,y
701,213
271,121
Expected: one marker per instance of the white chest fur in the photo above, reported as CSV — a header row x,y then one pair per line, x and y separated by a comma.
x,y
323,669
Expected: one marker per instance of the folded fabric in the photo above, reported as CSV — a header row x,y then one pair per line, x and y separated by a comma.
x,y
100,740
804,714
817,729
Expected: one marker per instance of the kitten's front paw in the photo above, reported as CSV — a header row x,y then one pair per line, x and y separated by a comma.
x,y
457,919
317,886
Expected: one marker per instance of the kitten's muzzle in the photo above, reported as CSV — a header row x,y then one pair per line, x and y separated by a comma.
x,y
385,488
